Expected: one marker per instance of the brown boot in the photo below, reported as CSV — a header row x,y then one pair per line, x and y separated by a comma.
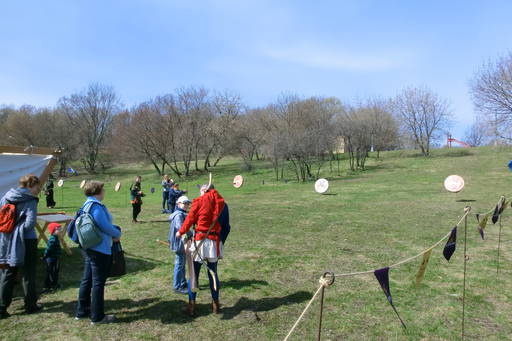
x,y
216,307
191,308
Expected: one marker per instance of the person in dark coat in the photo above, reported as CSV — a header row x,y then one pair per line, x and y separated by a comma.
x,y
50,202
18,249
136,195
51,257
174,194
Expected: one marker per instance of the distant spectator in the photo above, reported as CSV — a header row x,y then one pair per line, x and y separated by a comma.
x,y
136,195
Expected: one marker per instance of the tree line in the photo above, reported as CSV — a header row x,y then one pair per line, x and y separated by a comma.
x,y
191,129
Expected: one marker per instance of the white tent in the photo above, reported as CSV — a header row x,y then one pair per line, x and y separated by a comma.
x,y
18,161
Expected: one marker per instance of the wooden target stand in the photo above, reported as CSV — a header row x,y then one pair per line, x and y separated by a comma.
x,y
46,218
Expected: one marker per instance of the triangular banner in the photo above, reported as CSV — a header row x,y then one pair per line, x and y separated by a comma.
x,y
423,267
449,248
482,222
498,210
382,276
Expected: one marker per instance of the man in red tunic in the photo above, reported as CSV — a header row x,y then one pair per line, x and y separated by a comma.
x,y
206,246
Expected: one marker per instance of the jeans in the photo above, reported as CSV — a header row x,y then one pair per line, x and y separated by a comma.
x,y
165,198
179,280
96,269
215,293
136,210
8,279
52,272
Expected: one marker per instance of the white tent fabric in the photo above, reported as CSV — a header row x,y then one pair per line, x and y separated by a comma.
x,y
13,166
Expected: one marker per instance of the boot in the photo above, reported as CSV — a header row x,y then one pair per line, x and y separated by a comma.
x,y
216,307
191,308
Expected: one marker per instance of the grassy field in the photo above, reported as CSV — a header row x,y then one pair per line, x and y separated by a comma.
x,y
284,236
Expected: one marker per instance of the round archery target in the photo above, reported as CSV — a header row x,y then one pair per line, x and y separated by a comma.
x,y
510,165
454,183
60,183
82,184
238,181
117,186
152,190
321,185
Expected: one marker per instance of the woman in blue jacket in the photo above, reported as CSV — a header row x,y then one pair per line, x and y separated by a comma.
x,y
18,249
97,260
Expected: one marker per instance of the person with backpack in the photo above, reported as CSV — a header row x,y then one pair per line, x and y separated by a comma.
x,y
97,258
136,195
18,243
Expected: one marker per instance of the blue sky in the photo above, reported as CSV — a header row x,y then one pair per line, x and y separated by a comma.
x,y
347,49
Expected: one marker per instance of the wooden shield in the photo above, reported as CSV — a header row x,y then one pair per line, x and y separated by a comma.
x,y
321,186
238,181
60,183
117,187
82,184
454,183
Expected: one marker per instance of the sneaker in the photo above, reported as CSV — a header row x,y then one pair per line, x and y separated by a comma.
x,y
35,309
106,320
181,291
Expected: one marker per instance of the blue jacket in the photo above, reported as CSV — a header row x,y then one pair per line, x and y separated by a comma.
x,y
12,245
174,195
103,221
177,218
224,224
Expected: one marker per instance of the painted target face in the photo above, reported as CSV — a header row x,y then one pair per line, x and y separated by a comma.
x,y
238,181
321,185
152,190
60,183
117,187
82,184
454,183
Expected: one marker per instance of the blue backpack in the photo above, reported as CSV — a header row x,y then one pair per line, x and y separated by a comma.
x,y
71,228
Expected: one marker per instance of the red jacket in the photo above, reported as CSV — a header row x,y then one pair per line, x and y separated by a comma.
x,y
204,211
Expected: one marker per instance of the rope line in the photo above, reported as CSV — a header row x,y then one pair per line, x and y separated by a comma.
x,y
407,260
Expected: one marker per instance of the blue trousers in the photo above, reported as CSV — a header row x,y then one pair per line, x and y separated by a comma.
x,y
179,279
91,300
215,293
165,200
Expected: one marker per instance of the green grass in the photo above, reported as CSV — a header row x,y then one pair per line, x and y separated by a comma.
x,y
284,236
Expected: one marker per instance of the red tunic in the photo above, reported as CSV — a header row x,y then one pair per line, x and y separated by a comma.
x,y
204,211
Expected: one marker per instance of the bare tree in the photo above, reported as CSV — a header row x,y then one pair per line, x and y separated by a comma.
x,y
477,134
491,90
90,114
422,114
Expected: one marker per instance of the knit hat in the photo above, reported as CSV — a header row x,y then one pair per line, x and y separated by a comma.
x,y
52,227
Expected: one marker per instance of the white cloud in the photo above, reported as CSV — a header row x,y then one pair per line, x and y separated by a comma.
x,y
320,57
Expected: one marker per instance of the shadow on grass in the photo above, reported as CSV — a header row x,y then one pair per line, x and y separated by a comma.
x,y
263,304
465,200
238,284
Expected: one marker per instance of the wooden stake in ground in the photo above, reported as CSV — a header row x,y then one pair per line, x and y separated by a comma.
x,y
466,209
499,244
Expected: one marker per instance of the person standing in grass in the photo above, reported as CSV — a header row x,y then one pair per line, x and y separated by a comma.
x,y
18,249
51,257
97,259
176,244
204,213
166,188
48,192
174,194
136,195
